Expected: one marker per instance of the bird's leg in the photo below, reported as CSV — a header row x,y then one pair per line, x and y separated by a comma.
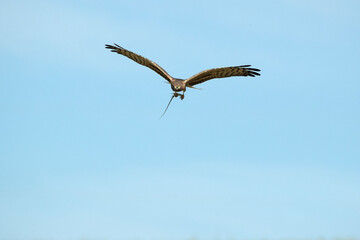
x,y
179,95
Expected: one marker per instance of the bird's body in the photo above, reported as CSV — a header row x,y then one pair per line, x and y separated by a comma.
x,y
180,85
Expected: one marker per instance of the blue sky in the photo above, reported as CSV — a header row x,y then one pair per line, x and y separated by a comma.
x,y
83,154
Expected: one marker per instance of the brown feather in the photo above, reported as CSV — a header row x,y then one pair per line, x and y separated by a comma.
x,y
225,72
141,60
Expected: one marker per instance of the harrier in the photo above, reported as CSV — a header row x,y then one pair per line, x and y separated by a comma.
x,y
180,85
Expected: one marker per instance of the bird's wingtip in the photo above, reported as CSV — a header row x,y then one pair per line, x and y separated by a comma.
x,y
113,47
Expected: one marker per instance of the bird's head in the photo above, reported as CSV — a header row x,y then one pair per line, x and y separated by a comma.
x,y
176,88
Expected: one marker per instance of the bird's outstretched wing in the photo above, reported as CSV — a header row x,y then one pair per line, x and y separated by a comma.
x,y
225,72
141,60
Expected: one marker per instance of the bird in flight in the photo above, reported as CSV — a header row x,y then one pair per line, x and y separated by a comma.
x,y
180,85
